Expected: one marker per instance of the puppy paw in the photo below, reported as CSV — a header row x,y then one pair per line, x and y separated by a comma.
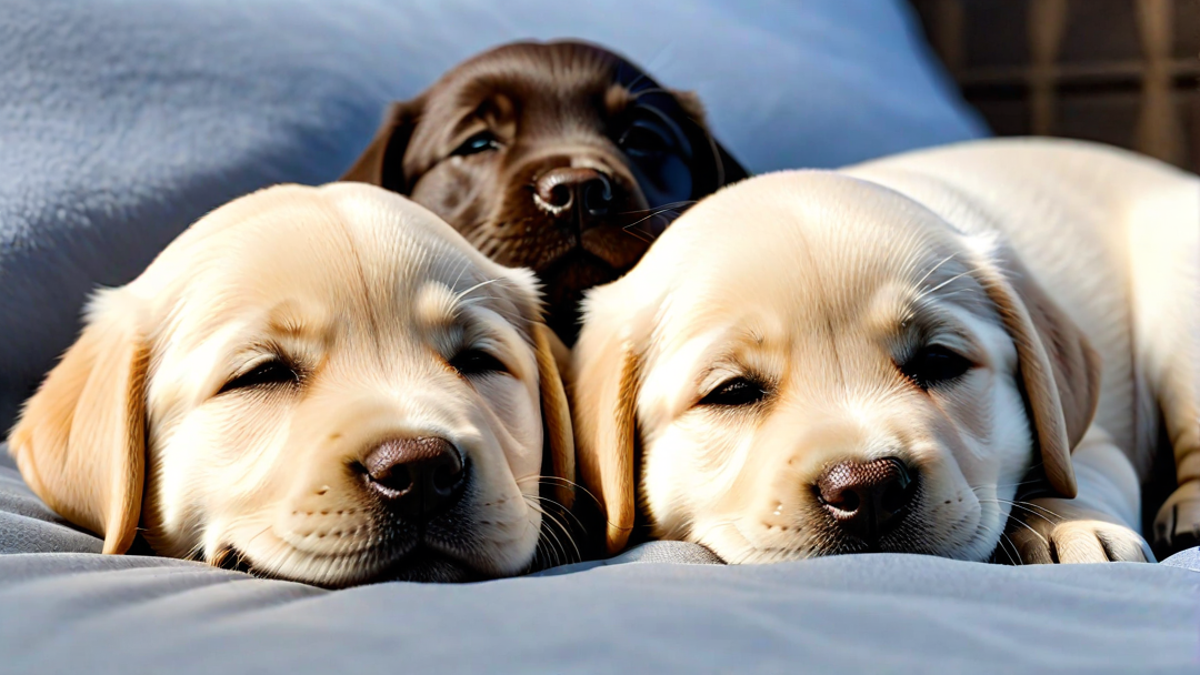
x,y
1177,525
1056,531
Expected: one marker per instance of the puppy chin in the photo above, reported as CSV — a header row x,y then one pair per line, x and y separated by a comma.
x,y
420,563
456,547
428,566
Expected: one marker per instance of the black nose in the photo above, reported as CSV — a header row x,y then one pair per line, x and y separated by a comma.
x,y
559,190
867,499
417,478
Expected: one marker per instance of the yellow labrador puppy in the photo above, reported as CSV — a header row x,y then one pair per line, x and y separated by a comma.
x,y
321,384
889,357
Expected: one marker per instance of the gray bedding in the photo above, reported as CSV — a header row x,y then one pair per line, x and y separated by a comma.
x,y
122,121
662,607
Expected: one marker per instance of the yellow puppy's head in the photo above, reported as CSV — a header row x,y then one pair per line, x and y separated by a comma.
x,y
323,384
810,364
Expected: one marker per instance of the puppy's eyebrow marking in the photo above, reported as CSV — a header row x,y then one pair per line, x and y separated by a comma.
x,y
935,268
616,99
458,298
286,321
945,283
461,302
452,318
970,295
739,354
289,327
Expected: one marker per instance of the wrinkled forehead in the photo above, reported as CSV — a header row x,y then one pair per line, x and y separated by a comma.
x,y
554,84
557,70
814,250
351,253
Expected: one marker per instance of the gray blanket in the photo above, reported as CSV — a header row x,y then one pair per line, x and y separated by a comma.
x,y
662,607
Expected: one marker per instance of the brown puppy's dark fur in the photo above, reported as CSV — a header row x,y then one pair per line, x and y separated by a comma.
x,y
561,157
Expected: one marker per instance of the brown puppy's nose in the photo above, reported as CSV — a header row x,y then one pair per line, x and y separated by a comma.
x,y
417,478
559,190
866,499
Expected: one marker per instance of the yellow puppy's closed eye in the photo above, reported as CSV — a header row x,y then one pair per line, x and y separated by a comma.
x,y
935,365
272,371
736,391
474,361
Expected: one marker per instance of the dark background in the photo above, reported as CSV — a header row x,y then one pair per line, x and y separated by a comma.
x,y
1124,72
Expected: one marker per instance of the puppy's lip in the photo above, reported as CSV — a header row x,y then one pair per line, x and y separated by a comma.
x,y
421,563
420,556
425,564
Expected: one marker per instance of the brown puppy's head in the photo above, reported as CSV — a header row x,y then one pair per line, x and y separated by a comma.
x,y
808,364
563,157
322,384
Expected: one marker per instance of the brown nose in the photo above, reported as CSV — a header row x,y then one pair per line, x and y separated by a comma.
x,y
417,478
866,499
562,189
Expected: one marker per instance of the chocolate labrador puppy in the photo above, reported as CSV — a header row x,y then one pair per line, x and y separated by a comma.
x,y
562,157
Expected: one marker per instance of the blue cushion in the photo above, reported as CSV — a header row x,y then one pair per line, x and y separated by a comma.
x,y
124,120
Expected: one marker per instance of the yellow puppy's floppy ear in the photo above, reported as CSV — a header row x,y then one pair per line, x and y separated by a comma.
x,y
605,381
80,441
382,162
1059,369
558,458
558,445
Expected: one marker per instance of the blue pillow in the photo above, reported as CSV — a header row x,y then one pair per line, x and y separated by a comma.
x,y
124,120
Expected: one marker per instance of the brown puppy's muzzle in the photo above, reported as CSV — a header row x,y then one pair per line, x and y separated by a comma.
x,y
415,478
579,218
580,203
585,193
867,500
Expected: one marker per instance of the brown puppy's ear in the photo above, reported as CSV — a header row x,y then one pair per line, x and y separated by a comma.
x,y
80,441
382,163
605,382
724,168
558,458
1059,369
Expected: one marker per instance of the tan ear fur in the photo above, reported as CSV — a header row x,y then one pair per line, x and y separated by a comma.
x,y
382,162
559,446
80,441
605,385
1059,368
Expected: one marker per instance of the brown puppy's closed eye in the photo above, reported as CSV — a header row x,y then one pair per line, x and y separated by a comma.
x,y
321,384
562,157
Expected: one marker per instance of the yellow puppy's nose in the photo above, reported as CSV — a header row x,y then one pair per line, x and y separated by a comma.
x,y
417,478
867,499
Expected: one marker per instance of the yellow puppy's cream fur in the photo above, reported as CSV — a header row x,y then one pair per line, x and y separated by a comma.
x,y
1065,273
369,297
